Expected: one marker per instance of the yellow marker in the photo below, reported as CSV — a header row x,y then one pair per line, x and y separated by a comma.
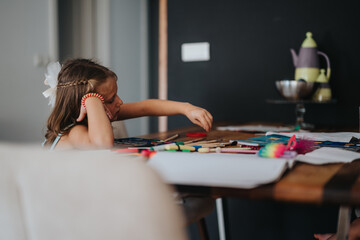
x,y
179,147
206,150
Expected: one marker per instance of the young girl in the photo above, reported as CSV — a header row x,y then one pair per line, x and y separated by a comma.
x,y
87,101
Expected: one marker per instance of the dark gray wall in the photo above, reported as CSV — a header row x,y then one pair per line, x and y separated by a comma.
x,y
250,42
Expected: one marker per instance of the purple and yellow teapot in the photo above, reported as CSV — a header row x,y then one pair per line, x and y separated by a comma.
x,y
307,62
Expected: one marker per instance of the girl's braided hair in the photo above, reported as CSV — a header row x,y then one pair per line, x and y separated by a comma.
x,y
76,78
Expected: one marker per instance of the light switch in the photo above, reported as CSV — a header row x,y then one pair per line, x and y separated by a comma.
x,y
193,52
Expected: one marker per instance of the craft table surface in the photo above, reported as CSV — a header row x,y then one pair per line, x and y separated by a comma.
x,y
337,184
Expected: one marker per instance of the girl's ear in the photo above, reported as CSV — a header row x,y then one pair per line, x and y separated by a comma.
x,y
91,85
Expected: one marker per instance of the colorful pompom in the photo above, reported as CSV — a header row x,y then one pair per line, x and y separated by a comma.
x,y
272,150
293,147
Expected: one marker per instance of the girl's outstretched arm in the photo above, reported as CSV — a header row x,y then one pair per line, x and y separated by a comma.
x,y
157,107
99,132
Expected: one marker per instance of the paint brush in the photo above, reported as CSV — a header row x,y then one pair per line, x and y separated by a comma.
x,y
171,138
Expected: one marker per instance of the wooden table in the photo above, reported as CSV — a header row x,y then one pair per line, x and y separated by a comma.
x,y
337,184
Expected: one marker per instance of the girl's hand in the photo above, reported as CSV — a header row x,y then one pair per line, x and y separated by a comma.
x,y
326,236
108,113
354,232
199,116
82,114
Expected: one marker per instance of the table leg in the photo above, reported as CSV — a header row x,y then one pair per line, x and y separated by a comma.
x,y
300,112
220,218
343,223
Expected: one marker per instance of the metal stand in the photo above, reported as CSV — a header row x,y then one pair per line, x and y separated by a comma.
x,y
343,223
300,110
220,217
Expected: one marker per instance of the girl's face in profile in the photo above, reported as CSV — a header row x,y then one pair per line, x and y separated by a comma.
x,y
112,101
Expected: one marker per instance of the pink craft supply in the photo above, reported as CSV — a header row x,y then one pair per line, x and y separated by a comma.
x,y
234,150
304,146
127,150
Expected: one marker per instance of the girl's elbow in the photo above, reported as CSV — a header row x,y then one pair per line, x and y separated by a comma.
x,y
104,143
108,145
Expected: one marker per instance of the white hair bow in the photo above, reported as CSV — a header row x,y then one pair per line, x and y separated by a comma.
x,y
51,76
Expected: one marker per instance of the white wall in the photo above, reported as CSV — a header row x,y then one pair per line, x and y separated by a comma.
x,y
23,35
129,55
120,45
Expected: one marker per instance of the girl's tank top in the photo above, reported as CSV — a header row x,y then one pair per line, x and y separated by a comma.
x,y
53,145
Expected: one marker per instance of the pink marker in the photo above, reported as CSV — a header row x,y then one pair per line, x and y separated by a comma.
x,y
235,150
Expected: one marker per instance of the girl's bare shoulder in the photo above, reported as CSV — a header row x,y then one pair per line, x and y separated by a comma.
x,y
77,137
78,129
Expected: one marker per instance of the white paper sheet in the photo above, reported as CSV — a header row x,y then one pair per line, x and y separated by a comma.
x,y
255,128
327,155
321,136
217,169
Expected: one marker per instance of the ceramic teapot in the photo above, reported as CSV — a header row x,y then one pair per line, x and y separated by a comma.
x,y
323,92
307,62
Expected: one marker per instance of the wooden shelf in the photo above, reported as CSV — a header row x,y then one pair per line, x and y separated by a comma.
x,y
284,101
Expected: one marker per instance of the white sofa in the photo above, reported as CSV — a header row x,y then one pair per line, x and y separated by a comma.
x,y
83,195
